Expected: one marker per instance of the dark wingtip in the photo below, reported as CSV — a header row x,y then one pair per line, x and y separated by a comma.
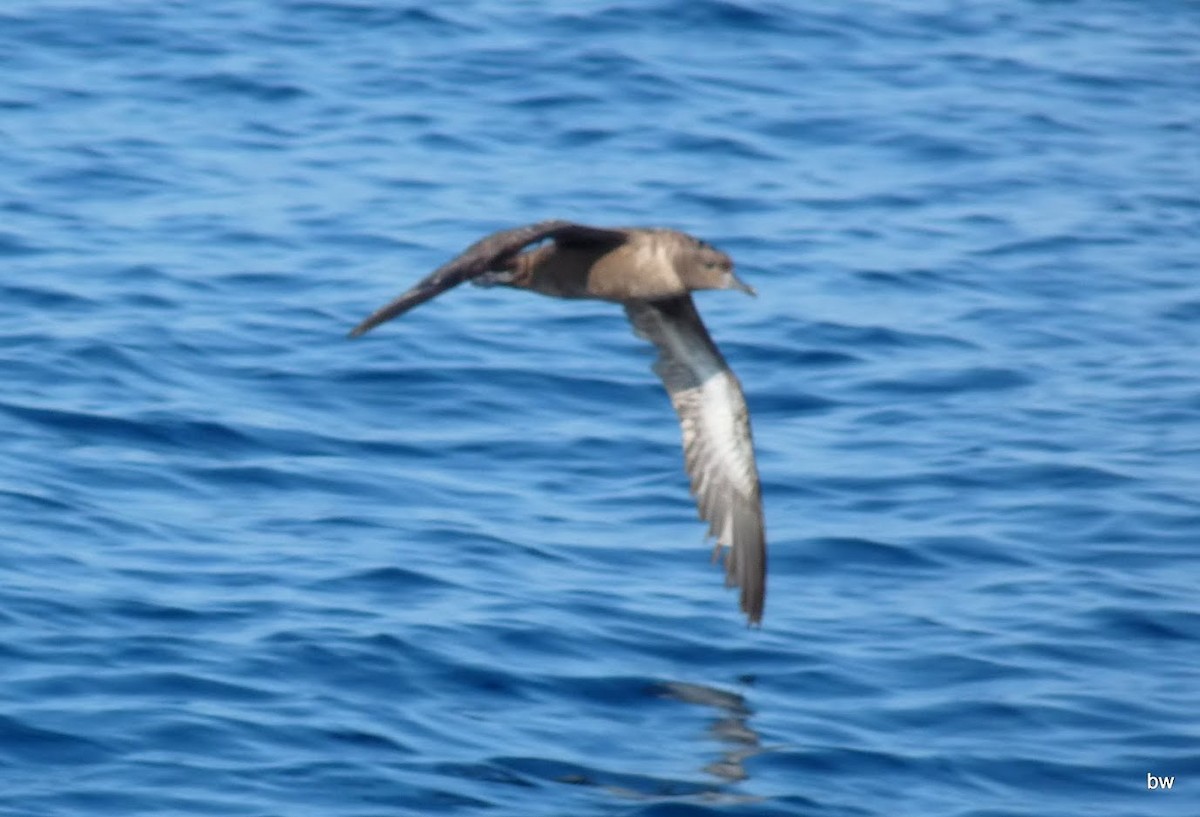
x,y
754,613
362,329
365,326
419,294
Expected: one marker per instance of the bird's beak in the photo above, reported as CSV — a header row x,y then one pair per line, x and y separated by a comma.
x,y
733,282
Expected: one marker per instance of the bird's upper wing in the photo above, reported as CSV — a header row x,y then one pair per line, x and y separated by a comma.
x,y
717,446
486,254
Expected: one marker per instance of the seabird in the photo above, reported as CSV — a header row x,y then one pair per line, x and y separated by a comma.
x,y
651,272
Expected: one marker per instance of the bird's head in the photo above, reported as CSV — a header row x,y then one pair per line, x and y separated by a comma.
x,y
706,267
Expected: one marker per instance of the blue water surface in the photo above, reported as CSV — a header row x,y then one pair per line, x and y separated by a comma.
x,y
250,567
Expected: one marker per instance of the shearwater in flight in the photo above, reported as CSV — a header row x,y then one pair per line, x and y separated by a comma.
x,y
651,272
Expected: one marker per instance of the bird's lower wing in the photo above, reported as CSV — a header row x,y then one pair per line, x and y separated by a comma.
x,y
489,253
717,444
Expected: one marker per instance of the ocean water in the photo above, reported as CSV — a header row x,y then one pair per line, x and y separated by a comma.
x,y
250,567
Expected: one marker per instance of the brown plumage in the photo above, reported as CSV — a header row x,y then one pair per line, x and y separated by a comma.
x,y
651,271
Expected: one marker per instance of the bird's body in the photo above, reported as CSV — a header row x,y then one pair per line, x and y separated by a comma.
x,y
641,268
651,271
